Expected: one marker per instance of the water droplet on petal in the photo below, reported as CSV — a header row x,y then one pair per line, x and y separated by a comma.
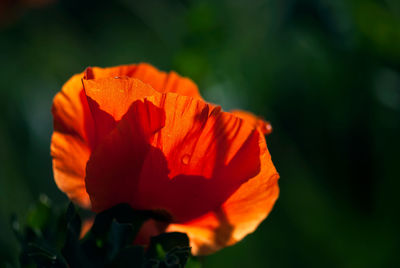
x,y
185,159
265,127
117,77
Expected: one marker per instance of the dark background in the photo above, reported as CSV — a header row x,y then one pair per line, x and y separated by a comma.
x,y
326,74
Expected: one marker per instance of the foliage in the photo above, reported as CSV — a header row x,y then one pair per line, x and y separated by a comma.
x,y
50,237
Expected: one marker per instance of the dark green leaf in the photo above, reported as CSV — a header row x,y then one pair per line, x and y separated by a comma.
x,y
168,241
44,256
171,249
132,256
120,236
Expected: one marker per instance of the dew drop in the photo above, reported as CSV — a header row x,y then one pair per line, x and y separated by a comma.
x,y
117,77
185,159
267,128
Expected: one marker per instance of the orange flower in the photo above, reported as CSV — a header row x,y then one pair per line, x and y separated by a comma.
x,y
132,134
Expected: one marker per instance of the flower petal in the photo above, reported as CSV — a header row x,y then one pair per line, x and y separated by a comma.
x,y
239,215
191,166
264,126
114,167
160,81
110,98
73,127
200,139
115,95
209,155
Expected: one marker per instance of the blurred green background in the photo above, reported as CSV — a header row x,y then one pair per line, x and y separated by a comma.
x,y
326,74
